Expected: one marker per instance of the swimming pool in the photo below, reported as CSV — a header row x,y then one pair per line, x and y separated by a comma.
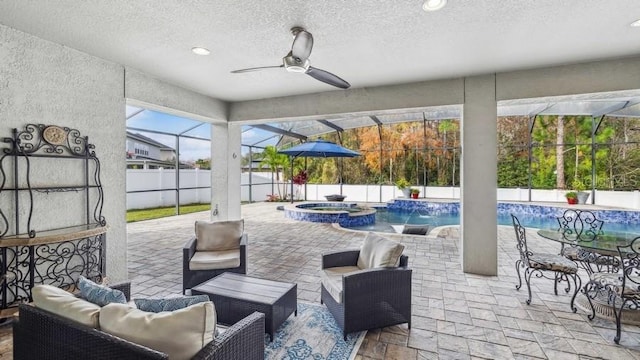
x,y
447,213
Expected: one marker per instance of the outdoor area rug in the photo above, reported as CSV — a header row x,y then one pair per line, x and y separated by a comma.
x,y
312,335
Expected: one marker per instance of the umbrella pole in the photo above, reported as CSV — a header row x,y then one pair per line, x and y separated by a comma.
x,y
341,174
291,179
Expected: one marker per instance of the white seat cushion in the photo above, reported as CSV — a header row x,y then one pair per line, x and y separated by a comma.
x,y
180,334
210,260
378,251
332,280
65,304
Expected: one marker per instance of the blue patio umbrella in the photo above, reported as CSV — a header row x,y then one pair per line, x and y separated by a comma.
x,y
318,148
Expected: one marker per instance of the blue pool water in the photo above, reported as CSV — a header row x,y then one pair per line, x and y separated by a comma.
x,y
387,217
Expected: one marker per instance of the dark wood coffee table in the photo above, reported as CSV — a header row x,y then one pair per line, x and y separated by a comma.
x,y
235,296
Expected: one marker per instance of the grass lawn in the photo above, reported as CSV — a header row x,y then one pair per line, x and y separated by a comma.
x,y
154,213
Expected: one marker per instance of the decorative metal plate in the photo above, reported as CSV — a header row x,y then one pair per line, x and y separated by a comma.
x,y
54,135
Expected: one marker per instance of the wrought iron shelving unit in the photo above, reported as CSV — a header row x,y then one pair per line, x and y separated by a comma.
x,y
29,253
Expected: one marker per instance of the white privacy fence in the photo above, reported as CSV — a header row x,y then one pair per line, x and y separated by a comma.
x,y
154,188
157,187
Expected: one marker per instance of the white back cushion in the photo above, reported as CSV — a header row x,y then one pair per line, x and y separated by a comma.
x,y
378,251
65,304
179,334
219,235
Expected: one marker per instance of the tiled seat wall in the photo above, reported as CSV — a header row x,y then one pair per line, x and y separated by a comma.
x,y
518,209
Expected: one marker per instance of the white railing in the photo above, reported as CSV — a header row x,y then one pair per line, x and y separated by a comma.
x,y
151,181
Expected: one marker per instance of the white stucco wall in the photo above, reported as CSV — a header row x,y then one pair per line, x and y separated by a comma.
x,y
46,83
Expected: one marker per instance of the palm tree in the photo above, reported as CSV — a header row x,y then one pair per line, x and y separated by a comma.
x,y
275,162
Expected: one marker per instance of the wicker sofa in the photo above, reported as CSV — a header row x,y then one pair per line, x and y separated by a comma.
x,y
40,334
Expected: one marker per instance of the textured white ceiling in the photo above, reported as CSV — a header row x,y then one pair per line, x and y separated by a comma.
x,y
368,43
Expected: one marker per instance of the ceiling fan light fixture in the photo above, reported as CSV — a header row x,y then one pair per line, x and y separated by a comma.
x,y
200,51
635,23
433,5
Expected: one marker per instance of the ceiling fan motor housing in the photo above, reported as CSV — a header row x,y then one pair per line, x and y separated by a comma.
x,y
293,64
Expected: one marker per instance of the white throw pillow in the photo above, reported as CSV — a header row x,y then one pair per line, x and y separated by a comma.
x,y
65,304
180,334
219,235
378,251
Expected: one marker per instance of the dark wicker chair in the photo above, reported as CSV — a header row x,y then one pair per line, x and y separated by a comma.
x,y
371,298
191,278
42,335
540,264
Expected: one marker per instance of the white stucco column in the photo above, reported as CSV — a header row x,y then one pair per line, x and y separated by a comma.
x,y
225,171
478,177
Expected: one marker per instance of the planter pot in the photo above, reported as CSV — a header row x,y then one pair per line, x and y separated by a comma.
x,y
582,197
406,193
572,201
414,196
335,197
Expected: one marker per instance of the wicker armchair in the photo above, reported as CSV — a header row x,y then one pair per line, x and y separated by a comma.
x,y
371,298
191,278
42,335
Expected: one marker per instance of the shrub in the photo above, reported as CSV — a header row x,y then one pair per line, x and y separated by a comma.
x,y
402,183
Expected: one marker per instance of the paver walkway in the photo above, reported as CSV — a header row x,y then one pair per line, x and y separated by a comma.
x,y
455,315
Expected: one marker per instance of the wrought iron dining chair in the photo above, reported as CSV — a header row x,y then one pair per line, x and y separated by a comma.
x,y
578,224
541,264
583,225
624,287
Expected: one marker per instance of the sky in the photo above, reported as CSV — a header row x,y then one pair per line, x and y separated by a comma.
x,y
190,149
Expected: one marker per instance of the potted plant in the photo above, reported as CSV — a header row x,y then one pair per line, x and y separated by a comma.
x,y
414,193
572,197
403,185
581,194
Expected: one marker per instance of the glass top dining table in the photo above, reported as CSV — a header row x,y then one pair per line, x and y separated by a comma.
x,y
605,243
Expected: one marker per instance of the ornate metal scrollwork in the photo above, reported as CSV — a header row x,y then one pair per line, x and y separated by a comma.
x,y
51,139
57,261
57,264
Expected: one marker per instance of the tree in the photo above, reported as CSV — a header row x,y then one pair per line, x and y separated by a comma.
x,y
204,164
560,184
271,159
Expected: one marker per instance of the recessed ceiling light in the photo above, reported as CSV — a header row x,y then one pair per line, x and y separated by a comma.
x,y
433,5
200,51
636,23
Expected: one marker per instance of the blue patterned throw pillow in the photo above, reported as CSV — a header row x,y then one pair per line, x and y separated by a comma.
x,y
171,304
99,294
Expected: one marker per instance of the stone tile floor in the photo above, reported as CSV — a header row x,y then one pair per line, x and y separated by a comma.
x,y
455,315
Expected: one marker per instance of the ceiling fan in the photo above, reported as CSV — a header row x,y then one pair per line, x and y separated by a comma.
x,y
297,61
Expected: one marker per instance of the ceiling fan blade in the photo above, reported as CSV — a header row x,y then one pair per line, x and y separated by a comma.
x,y
327,77
256,69
302,45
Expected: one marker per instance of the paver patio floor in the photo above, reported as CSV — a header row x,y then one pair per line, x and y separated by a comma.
x,y
455,315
